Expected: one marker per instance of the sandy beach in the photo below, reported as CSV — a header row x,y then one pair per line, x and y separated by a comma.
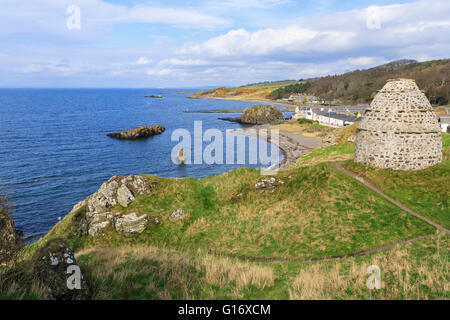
x,y
292,145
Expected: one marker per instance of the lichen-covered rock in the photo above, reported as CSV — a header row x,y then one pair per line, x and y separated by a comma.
x,y
268,184
79,205
131,224
56,268
178,215
124,196
98,221
137,185
104,198
260,114
330,140
93,215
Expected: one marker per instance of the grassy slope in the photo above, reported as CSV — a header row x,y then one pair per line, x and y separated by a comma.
x,y
317,212
425,191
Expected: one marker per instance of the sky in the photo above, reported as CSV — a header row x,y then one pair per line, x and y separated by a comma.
x,y
188,44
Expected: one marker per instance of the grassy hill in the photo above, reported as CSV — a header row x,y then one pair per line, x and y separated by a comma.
x,y
360,86
242,243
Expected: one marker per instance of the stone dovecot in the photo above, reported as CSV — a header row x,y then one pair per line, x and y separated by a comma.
x,y
399,130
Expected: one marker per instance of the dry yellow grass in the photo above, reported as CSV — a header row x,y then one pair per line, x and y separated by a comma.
x,y
183,276
401,277
223,271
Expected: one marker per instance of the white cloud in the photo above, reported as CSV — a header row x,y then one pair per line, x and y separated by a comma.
x,y
248,3
330,34
32,68
365,61
325,43
49,17
143,60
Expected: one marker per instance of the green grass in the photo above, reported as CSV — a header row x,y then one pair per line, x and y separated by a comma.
x,y
425,191
316,212
290,223
331,153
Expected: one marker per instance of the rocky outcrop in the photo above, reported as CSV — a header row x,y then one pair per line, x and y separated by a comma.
x,y
138,133
268,184
124,196
330,139
56,268
131,224
93,215
178,215
261,114
10,238
98,221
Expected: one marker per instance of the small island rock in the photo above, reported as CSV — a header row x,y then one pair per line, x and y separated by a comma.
x,y
138,133
261,114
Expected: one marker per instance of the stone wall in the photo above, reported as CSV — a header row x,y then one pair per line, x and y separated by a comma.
x,y
399,130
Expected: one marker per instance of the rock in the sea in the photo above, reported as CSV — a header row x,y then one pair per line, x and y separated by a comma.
x,y
138,133
124,196
268,184
178,215
131,224
56,268
261,114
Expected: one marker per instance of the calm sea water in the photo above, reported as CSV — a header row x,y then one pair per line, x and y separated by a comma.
x,y
54,150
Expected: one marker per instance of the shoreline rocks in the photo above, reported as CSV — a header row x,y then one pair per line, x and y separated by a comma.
x,y
10,237
138,133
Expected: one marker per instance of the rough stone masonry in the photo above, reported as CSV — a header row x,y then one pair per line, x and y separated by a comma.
x,y
399,130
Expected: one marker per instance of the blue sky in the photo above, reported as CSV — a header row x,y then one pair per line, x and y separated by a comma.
x,y
136,43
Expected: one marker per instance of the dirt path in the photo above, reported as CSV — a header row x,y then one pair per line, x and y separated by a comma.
x,y
338,166
348,255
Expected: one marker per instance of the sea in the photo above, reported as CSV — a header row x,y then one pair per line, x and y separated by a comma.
x,y
54,151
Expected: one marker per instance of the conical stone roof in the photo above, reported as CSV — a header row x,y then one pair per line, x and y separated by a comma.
x,y
399,130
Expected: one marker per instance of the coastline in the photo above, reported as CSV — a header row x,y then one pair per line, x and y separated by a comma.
x,y
292,146
288,106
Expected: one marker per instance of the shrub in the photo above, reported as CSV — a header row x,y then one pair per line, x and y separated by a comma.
x,y
305,121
